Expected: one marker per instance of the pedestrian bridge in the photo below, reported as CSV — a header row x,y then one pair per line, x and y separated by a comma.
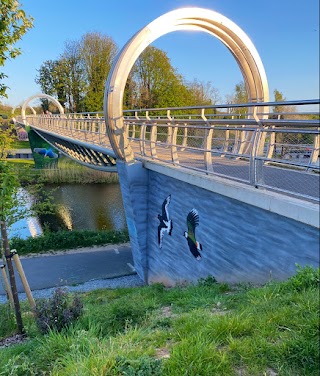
x,y
227,190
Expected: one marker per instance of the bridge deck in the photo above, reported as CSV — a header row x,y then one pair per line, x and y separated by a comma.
x,y
286,180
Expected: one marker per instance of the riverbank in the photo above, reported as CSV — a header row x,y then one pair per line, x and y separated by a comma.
x,y
67,171
50,242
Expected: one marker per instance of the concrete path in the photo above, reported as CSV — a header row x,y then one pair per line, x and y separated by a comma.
x,y
75,267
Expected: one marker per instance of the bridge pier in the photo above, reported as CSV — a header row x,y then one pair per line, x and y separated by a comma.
x,y
134,188
241,241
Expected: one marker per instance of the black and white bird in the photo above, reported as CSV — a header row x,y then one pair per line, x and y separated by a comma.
x,y
165,224
192,222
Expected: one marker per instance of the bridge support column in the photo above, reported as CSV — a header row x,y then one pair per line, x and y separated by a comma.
x,y
134,188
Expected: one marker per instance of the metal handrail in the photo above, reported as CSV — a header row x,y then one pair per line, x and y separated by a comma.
x,y
212,143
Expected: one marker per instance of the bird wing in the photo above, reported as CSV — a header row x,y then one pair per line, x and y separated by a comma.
x,y
161,231
192,223
193,249
51,154
41,151
165,212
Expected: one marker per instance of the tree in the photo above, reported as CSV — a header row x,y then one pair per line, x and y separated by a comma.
x,y
158,83
239,96
6,139
13,207
72,76
13,25
203,93
10,213
48,79
97,53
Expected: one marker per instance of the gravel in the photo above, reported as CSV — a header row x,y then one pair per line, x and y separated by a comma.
x,y
110,283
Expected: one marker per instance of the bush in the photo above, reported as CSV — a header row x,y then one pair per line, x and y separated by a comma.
x,y
305,277
141,366
63,240
57,312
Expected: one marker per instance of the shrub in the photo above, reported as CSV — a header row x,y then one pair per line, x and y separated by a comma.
x,y
63,240
305,277
208,281
140,366
57,312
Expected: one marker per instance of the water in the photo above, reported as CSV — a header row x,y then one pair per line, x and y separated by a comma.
x,y
80,207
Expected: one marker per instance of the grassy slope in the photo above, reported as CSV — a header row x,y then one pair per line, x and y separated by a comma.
x,y
203,330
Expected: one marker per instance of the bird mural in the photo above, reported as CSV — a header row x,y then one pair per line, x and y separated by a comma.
x,y
45,152
192,222
165,224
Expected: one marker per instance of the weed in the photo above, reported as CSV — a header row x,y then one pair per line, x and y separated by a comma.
x,y
141,366
57,312
305,277
209,281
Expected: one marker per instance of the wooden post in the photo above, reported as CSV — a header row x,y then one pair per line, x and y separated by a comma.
x,y
23,278
6,285
8,256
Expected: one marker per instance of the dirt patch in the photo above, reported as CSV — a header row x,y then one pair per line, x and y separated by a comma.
x,y
162,353
243,372
13,340
166,312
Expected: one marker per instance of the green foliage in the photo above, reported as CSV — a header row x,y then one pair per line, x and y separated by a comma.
x,y
142,366
10,200
63,240
191,330
7,321
305,278
58,312
157,83
6,139
208,281
13,25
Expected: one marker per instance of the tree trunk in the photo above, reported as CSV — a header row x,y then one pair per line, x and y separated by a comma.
x,y
14,290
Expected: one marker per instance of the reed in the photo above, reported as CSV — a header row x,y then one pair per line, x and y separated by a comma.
x,y
71,172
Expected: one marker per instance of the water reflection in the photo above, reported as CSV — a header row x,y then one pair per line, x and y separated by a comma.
x,y
80,207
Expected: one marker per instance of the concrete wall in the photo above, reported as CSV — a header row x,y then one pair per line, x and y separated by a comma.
x,y
241,242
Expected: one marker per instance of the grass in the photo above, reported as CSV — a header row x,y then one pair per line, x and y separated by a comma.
x,y
205,329
68,172
21,163
71,172
21,145
62,240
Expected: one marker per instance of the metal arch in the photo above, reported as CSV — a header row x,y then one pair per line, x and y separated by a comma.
x,y
41,95
31,108
198,19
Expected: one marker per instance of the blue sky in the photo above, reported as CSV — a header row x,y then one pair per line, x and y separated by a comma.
x,y
284,32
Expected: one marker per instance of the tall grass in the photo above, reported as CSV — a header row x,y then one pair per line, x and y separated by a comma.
x,y
230,330
72,172
68,172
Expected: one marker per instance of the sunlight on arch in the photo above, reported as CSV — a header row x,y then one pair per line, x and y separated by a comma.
x,y
46,96
197,19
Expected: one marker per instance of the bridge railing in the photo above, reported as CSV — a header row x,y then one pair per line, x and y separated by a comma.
x,y
253,143
236,142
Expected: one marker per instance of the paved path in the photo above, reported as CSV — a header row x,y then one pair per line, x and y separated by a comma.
x,y
75,267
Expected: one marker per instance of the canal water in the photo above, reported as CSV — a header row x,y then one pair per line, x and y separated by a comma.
x,y
79,207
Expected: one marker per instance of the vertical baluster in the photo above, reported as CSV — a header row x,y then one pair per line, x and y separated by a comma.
x,y
207,143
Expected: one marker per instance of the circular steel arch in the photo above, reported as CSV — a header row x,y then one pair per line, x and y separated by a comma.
x,y
41,95
197,19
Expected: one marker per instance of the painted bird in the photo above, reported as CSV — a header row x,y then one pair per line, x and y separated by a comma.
x,y
165,224
192,222
45,152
